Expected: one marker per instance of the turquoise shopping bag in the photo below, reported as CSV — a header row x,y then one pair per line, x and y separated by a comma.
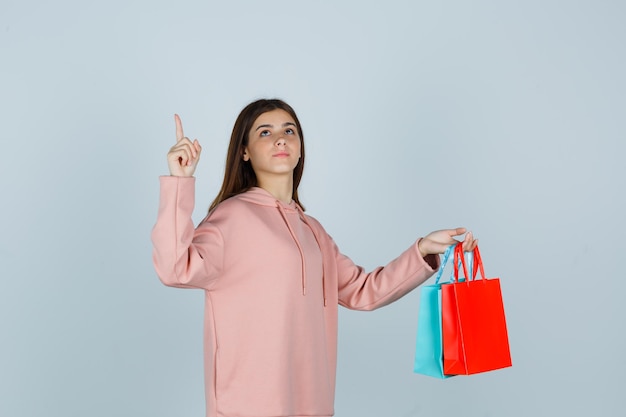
x,y
429,346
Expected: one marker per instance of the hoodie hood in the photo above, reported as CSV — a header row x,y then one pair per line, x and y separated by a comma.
x,y
261,197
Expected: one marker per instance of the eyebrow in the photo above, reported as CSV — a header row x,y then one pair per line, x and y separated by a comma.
x,y
268,125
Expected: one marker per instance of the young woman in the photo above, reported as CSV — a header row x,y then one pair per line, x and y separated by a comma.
x,y
273,278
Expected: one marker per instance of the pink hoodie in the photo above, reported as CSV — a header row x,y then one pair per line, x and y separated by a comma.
x,y
273,279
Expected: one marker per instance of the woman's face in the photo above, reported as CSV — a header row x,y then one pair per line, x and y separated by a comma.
x,y
273,145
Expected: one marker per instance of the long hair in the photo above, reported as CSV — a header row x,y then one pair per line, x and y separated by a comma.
x,y
238,174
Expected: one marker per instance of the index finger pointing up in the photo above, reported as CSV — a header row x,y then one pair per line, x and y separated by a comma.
x,y
179,128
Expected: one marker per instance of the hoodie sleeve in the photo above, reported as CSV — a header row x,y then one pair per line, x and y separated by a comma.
x,y
183,256
360,290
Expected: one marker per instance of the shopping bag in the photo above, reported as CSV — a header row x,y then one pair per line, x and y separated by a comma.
x,y
475,337
429,348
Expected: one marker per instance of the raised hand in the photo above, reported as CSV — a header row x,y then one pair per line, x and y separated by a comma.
x,y
437,242
183,157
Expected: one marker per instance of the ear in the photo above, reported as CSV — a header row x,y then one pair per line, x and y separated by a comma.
x,y
246,157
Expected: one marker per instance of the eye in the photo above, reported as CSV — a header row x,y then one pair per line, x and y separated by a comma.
x,y
265,133
290,131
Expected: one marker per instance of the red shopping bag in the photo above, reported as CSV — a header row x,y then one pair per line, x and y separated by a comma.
x,y
475,338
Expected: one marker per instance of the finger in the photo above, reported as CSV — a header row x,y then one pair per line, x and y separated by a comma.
x,y
196,148
184,144
188,145
469,247
182,155
191,149
179,128
469,243
458,231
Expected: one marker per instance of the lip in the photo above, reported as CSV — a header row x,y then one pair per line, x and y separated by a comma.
x,y
281,154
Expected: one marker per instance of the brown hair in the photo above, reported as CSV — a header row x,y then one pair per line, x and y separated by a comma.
x,y
238,174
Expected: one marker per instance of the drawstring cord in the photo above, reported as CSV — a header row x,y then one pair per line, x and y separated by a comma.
x,y
303,217
295,238
293,235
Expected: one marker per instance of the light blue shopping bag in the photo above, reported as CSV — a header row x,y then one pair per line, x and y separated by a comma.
x,y
429,346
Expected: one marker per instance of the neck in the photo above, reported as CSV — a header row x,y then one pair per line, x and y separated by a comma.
x,y
279,187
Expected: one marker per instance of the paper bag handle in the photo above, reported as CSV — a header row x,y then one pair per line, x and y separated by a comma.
x,y
444,262
459,255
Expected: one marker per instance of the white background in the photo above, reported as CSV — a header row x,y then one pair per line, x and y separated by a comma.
x,y
507,117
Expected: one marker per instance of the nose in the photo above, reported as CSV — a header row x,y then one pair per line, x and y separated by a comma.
x,y
281,141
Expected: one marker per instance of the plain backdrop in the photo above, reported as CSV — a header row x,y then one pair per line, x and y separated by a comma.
x,y
506,117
